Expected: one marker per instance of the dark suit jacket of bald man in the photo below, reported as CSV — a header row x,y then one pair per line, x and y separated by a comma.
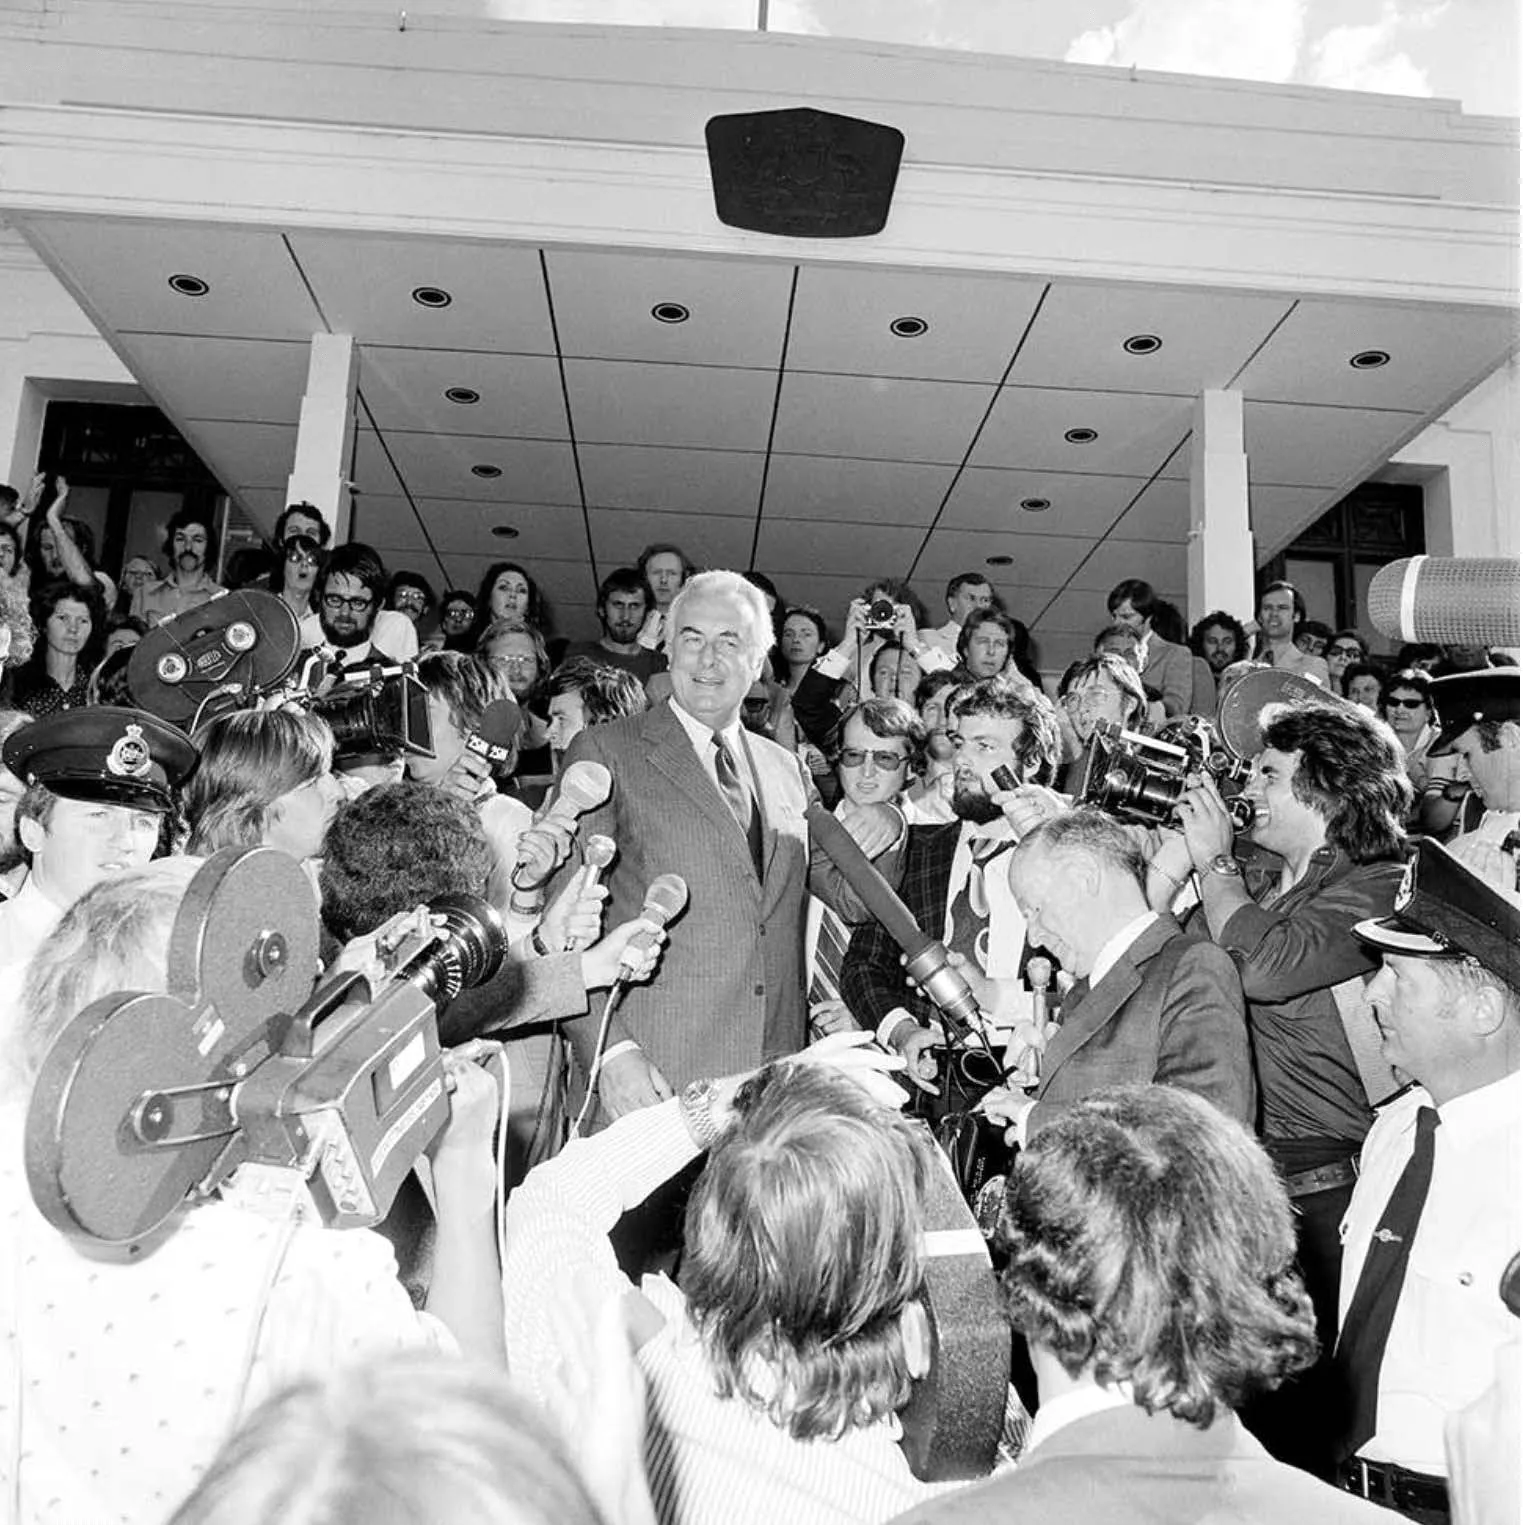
x,y
729,991
1172,1010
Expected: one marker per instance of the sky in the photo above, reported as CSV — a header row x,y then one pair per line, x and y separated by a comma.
x,y
1463,50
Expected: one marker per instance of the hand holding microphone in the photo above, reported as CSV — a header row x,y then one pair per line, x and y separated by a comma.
x,y
664,900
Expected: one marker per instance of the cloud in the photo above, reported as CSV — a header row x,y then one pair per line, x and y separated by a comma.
x,y
1369,57
1238,39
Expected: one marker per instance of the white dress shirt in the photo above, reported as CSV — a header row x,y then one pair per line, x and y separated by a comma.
x,y
1450,1320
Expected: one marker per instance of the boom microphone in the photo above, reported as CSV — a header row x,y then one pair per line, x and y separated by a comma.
x,y
497,732
925,957
664,900
1448,600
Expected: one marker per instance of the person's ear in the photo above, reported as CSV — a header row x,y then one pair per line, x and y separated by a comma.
x,y
33,834
1487,1011
915,1329
1510,735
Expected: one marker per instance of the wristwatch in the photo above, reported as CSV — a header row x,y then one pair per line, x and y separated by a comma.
x,y
697,1113
1225,864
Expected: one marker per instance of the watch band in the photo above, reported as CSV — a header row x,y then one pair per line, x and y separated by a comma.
x,y
1226,866
697,1113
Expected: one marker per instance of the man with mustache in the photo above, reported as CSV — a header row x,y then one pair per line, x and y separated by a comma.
x,y
191,544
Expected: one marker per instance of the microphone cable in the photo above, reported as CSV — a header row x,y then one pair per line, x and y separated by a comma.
x,y
612,998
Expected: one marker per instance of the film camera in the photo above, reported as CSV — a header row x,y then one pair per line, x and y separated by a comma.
x,y
242,647
146,1102
881,615
1139,778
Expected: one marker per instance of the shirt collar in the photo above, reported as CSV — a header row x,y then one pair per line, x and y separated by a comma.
x,y
1117,945
998,830
1484,1110
1077,1403
701,735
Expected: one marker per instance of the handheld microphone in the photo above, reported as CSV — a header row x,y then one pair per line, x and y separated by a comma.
x,y
583,786
925,957
497,732
664,900
599,852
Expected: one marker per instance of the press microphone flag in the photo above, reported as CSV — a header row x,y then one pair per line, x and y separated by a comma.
x,y
496,733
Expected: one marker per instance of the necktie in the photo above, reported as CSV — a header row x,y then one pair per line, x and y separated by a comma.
x,y
970,911
1359,1351
737,798
829,954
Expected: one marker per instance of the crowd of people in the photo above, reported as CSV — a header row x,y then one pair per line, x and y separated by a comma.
x,y
1245,1068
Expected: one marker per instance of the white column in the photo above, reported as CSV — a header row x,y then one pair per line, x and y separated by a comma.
x,y
1220,569
320,464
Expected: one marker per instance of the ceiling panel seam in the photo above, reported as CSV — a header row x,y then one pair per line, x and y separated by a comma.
x,y
776,408
1106,534
997,393
574,443
409,497
308,286
1249,359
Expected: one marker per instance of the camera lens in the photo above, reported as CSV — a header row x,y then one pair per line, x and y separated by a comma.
x,y
469,954
880,612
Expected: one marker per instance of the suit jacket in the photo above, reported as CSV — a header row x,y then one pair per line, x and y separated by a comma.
x,y
1126,1467
1169,1010
872,979
729,991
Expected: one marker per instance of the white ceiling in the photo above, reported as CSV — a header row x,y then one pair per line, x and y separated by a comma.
x,y
783,426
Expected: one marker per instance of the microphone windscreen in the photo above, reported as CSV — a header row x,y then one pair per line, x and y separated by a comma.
x,y
583,786
1448,600
665,898
500,724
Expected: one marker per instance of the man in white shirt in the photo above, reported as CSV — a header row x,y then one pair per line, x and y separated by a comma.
x,y
965,593
1434,1221
1480,718
1280,610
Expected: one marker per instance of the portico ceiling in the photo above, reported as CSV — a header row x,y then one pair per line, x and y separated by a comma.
x,y
785,423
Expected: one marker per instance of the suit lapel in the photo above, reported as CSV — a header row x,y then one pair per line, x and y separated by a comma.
x,y
672,753
1102,1002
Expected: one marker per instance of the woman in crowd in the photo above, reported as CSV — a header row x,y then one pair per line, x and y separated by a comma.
x,y
10,551
137,1367
1409,713
138,573
1362,683
507,592
264,780
805,638
71,619
1346,648
293,579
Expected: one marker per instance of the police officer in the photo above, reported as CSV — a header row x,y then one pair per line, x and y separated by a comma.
x,y
99,784
1434,1219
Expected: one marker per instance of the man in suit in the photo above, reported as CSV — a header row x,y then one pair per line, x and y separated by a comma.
x,y
954,879
1150,1249
1152,1002
695,793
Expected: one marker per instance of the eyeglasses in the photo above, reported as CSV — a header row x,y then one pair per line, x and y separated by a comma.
x,y
302,548
887,762
513,664
335,602
1350,653
415,601
1398,702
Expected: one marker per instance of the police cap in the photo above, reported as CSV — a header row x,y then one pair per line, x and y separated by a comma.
x,y
1463,699
103,752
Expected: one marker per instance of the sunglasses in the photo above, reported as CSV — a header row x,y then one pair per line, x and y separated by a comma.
x,y
887,762
1395,702
1348,653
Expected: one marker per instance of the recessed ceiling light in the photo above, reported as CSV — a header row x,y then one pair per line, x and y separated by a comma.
x,y
505,531
488,472
1142,344
1079,436
1036,505
188,285
432,296
1370,359
908,328
669,312
998,561
463,395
